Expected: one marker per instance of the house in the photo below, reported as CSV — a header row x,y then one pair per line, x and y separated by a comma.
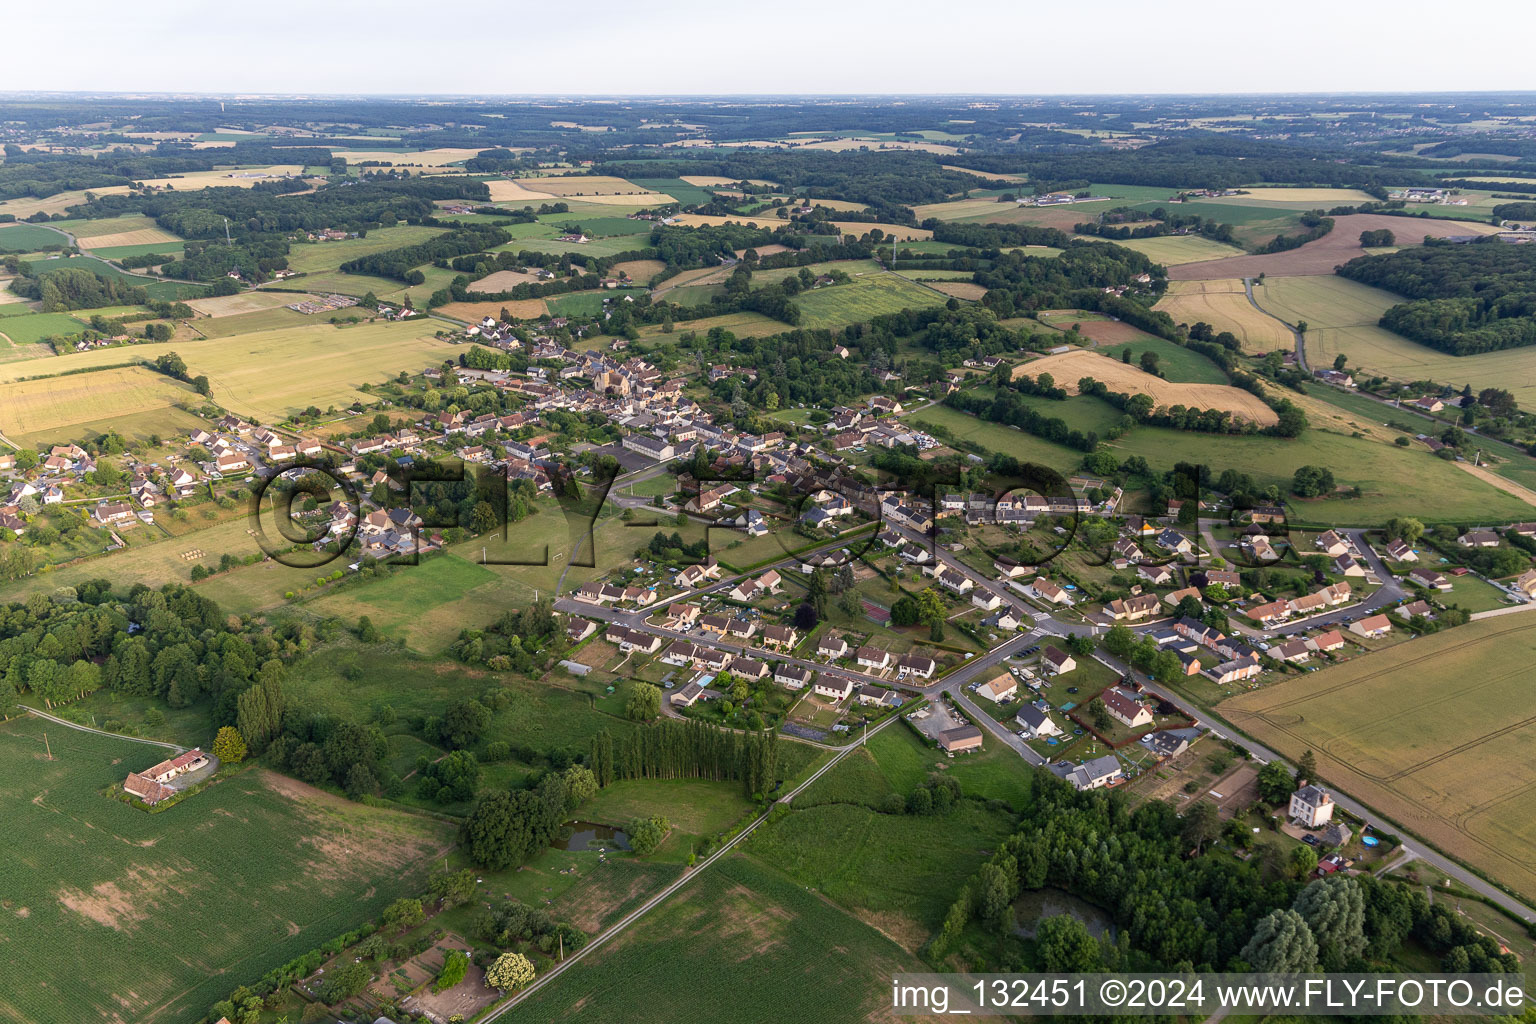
x,y
1172,599
1413,608
1345,565
1035,723
873,658
1235,670
1526,583
683,613
1199,632
1332,543
834,688
231,462
146,789
792,677
741,628
1429,403
1328,597
687,696
749,668
986,600
1429,578
1125,709
1168,742
780,636
1259,547
1157,575
181,764
832,647
1055,661
1478,539
1043,589
916,665
1375,625
1096,774
1332,640
650,446
1004,620
1220,577
1130,609
109,512
960,739
1273,611
878,695
1292,651
1009,569
1398,551
999,688
1311,806
1173,540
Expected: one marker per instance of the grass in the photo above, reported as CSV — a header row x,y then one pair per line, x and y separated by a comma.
x,y
29,329
996,773
1174,362
861,299
170,250
743,325
1173,249
399,604
174,909
29,238
1413,731
590,303
272,374
742,942
154,288
59,407
313,257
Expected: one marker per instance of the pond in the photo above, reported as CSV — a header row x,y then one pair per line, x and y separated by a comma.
x,y
1033,907
588,835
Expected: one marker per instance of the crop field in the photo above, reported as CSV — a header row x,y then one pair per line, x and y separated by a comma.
x,y
1171,250
577,185
170,250
28,329
28,237
741,943
408,157
137,235
860,299
271,374
678,188
1413,731
1224,305
1307,198
605,245
990,211
743,325
900,232
1069,367
502,281
639,270
58,407
1340,245
967,290
523,309
245,302
997,437
1341,316
173,909
312,257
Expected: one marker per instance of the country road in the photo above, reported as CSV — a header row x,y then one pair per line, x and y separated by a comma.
x,y
102,732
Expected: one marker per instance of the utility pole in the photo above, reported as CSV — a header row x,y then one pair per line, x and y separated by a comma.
x,y
47,747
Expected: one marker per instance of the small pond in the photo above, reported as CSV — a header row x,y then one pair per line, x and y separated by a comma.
x,y
1033,907
588,835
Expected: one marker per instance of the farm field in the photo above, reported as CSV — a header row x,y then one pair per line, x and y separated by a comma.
x,y
741,942
171,250
29,238
502,281
1340,245
117,231
245,302
1412,731
1342,315
577,185
743,325
589,303
171,910
1224,305
30,328
154,288
55,409
860,299
473,312
408,157
271,374
1069,367
1170,250
312,257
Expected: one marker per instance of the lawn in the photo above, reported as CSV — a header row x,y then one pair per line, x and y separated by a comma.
x,y
862,298
742,943
272,374
172,910
1412,732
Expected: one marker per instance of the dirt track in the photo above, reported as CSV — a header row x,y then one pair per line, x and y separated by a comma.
x,y
1340,245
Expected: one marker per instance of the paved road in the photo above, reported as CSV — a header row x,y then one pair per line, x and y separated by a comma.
x,y
688,875
102,732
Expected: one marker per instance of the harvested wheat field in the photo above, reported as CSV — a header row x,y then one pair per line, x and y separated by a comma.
x,y
521,309
1340,245
899,232
1439,735
504,191
702,276
708,180
245,302
144,236
408,158
583,185
988,175
959,289
1310,197
50,403
1224,305
764,250
1070,367
244,177
639,270
502,281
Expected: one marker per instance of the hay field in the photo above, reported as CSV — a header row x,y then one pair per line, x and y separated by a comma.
x,y
28,205
1341,316
1438,734
709,180
643,270
583,185
1012,179
245,302
1069,367
523,309
53,405
87,230
1308,197
502,281
1224,305
272,374
310,257
960,289
504,191
1340,245
743,325
1170,250
412,158
901,232
243,177
147,236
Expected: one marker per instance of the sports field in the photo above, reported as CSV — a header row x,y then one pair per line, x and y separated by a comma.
x,y
172,910
271,374
1070,367
60,408
1438,734
1224,305
1341,316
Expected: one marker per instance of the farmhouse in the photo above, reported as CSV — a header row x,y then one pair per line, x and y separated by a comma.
x,y
960,739
146,789
1311,805
181,764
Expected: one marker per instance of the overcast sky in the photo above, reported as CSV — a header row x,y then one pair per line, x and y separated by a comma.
x,y
786,46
